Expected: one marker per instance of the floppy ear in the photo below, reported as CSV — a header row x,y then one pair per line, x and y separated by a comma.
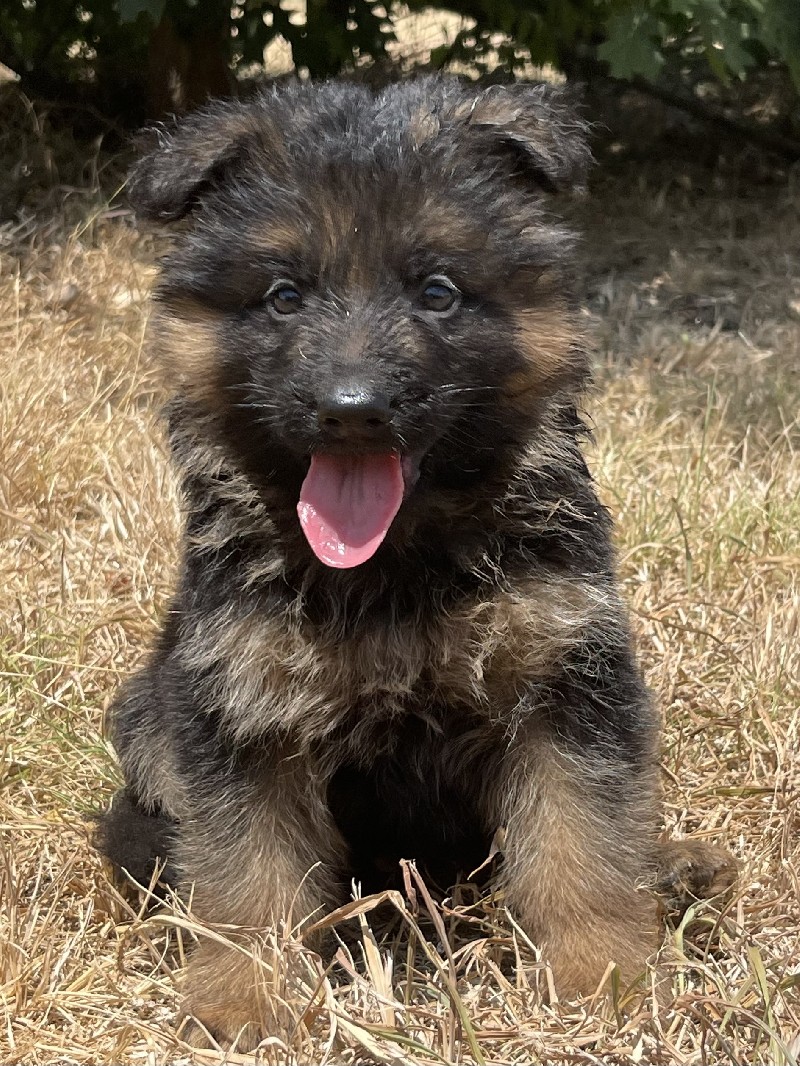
x,y
540,126
181,162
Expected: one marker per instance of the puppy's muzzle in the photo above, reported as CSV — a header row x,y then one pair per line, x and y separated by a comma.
x,y
355,413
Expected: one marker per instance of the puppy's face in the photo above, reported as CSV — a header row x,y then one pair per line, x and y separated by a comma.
x,y
369,300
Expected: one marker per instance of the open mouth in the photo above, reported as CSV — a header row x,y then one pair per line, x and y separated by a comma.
x,y
348,502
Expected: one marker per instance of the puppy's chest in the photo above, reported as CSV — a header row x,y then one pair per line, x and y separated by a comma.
x,y
262,672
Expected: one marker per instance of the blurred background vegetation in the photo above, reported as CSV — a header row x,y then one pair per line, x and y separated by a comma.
x,y
710,82
133,60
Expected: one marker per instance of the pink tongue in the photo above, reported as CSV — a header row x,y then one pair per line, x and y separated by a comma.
x,y
347,504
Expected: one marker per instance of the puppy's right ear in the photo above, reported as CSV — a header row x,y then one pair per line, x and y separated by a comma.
x,y
180,163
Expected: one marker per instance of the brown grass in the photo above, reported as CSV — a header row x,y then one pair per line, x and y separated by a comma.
x,y
697,454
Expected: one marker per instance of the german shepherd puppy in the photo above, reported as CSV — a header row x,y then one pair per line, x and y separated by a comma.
x,y
397,626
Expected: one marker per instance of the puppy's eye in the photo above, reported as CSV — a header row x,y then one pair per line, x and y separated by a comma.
x,y
285,298
439,294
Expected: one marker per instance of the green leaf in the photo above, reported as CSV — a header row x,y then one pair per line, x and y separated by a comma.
x,y
724,45
631,46
781,32
687,8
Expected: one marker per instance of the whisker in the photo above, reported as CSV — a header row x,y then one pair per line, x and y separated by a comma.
x,y
455,390
258,406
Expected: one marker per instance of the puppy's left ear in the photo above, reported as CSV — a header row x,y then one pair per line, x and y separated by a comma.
x,y
179,165
540,125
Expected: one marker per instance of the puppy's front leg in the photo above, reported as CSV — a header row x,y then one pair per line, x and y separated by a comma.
x,y
579,837
581,805
265,853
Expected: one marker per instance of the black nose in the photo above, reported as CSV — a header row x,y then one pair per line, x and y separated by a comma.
x,y
353,411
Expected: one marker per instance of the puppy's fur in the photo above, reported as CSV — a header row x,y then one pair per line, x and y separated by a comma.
x,y
297,724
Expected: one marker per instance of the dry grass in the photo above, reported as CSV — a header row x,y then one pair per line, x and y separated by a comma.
x,y
697,454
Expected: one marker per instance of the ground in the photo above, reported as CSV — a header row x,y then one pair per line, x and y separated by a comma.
x,y
690,281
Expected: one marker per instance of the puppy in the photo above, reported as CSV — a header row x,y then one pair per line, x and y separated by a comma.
x,y
397,626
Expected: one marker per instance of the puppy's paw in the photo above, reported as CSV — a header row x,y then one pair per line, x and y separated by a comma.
x,y
233,1000
227,1029
690,870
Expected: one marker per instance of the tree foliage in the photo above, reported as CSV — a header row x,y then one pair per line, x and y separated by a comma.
x,y
120,55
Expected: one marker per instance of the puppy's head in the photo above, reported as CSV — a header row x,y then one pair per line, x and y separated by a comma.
x,y
368,301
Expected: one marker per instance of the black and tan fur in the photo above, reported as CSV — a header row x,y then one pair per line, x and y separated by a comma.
x,y
297,725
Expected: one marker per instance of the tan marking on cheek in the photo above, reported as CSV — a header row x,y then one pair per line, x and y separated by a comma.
x,y
548,338
187,340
